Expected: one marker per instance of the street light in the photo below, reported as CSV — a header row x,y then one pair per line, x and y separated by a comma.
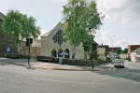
x,y
29,41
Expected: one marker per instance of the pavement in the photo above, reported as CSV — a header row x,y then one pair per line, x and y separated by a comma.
x,y
53,66
47,66
18,79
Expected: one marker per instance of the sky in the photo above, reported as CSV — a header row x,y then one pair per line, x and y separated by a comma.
x,y
120,27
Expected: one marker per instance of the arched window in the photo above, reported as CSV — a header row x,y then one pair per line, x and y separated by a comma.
x,y
58,37
67,53
60,53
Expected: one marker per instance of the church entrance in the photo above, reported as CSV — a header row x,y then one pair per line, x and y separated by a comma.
x,y
54,53
67,53
60,53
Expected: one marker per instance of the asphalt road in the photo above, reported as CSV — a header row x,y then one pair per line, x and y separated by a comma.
x,y
17,79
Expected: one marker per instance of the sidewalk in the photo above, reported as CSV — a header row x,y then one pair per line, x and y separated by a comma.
x,y
48,66
52,66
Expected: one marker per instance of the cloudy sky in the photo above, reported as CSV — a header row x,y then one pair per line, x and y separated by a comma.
x,y
121,25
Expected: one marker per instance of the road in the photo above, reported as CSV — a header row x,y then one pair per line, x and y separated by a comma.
x,y
18,79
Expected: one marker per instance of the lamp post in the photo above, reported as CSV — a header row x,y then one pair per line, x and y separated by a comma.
x,y
29,41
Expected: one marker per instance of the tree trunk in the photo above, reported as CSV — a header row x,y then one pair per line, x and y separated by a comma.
x,y
85,55
74,53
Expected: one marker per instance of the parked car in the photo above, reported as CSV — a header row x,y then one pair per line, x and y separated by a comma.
x,y
119,63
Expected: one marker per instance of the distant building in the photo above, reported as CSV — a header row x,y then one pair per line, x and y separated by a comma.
x,y
123,56
131,48
134,53
102,51
114,49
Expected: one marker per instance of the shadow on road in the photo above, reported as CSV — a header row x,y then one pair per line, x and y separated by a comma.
x,y
131,74
7,61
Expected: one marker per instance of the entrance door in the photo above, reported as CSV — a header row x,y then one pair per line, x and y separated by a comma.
x,y
54,53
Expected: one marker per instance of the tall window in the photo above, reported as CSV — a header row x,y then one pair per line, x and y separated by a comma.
x,y
58,37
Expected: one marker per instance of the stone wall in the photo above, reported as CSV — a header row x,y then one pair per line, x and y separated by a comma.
x,y
34,50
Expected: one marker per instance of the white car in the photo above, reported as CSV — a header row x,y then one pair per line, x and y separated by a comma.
x,y
118,63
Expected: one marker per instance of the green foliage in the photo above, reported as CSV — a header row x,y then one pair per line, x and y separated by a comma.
x,y
79,16
119,51
12,24
88,43
94,18
29,28
94,54
125,51
18,24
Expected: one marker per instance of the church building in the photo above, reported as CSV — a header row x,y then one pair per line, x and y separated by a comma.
x,y
53,45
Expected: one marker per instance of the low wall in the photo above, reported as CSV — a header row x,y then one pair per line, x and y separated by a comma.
x,y
71,61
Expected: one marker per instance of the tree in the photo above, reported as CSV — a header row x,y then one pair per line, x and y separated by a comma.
x,y
119,51
79,17
29,28
94,54
18,24
90,47
125,51
12,24
87,45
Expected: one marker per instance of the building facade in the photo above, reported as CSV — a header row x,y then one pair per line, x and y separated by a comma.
x,y
114,49
135,55
103,51
53,45
131,48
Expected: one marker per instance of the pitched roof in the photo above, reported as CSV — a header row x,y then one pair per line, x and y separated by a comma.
x,y
56,28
